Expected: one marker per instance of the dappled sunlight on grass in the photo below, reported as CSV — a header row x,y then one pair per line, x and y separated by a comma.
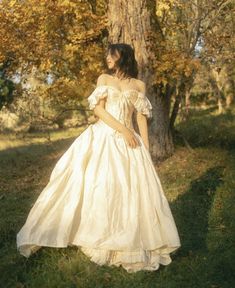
x,y
14,140
198,183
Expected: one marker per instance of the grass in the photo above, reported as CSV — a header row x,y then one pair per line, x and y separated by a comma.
x,y
199,185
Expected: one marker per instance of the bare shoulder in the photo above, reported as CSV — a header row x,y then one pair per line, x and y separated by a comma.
x,y
102,79
141,85
105,75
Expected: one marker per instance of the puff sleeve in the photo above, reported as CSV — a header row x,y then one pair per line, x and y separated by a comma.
x,y
143,105
100,92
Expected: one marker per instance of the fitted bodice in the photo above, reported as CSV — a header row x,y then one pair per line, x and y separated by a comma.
x,y
121,104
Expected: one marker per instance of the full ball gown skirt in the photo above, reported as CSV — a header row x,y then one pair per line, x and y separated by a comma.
x,y
105,196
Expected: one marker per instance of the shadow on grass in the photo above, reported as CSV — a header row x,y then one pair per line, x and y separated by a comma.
x,y
191,211
67,267
191,215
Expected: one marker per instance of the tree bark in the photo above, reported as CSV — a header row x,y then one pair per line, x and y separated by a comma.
x,y
161,139
216,85
133,22
229,85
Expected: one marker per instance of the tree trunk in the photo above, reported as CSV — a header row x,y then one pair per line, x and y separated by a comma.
x,y
187,102
182,98
229,88
161,139
230,85
132,22
216,85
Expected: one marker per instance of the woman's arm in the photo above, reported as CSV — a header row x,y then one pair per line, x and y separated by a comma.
x,y
100,111
142,121
105,116
143,127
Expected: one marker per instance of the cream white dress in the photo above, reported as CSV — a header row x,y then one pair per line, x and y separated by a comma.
x,y
105,196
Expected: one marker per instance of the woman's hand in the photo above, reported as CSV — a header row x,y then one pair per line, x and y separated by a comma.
x,y
130,138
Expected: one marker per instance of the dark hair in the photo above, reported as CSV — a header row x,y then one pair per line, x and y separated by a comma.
x,y
127,62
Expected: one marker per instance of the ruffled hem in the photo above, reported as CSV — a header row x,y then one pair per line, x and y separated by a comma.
x,y
131,261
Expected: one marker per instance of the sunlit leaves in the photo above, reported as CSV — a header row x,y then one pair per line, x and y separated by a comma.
x,y
181,25
57,37
40,30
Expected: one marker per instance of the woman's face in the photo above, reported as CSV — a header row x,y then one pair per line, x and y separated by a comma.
x,y
111,59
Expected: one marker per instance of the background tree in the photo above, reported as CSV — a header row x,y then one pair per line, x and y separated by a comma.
x,y
67,39
166,35
219,53
62,39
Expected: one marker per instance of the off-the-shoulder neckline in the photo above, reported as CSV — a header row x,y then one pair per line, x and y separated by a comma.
x,y
114,88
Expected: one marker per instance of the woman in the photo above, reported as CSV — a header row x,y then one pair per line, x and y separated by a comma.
x,y
104,194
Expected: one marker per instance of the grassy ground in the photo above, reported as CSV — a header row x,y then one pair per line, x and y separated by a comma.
x,y
199,185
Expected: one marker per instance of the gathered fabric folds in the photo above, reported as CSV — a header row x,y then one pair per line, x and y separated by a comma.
x,y
105,197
